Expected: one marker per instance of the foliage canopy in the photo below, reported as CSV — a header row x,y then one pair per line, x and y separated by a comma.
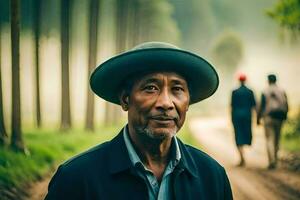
x,y
287,14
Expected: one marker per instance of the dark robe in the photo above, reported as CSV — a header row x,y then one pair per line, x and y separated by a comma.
x,y
242,103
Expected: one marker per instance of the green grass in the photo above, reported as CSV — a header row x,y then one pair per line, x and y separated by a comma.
x,y
290,140
291,144
186,136
47,149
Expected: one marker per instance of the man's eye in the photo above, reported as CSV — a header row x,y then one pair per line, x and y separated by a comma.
x,y
150,88
178,89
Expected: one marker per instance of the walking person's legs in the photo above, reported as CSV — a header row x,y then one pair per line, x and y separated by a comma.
x,y
270,141
277,131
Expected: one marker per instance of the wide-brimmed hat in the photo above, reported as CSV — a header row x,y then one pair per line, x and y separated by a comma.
x,y
108,78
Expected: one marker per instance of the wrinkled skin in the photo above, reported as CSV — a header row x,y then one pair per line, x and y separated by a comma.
x,y
157,106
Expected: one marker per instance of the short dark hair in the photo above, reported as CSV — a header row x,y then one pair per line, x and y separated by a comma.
x,y
272,78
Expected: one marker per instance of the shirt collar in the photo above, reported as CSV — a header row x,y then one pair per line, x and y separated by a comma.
x,y
175,154
117,149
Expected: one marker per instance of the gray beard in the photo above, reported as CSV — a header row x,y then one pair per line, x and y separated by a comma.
x,y
146,133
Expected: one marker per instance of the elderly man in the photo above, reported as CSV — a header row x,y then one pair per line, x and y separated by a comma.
x,y
155,83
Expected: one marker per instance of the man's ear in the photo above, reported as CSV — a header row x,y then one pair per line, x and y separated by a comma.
x,y
124,100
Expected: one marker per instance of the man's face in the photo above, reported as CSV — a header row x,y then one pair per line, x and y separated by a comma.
x,y
157,105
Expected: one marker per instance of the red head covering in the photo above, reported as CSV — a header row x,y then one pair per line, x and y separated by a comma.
x,y
242,77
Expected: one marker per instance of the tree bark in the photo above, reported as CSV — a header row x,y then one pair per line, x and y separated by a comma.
x,y
122,8
138,24
65,75
107,114
122,22
132,28
37,63
3,133
16,136
93,22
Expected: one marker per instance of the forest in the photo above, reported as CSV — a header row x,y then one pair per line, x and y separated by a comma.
x,y
49,48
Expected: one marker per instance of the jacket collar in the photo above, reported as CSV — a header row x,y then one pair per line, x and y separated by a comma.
x,y
187,162
118,155
119,160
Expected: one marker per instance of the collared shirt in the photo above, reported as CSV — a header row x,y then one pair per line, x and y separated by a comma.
x,y
158,191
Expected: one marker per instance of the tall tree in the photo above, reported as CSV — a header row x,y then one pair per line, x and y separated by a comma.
x,y
3,133
135,21
121,23
196,22
122,26
93,21
16,135
112,112
37,63
65,74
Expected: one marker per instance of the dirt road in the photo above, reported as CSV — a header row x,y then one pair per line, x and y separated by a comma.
x,y
39,189
253,181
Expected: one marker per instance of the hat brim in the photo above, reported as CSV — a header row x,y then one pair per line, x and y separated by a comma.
x,y
106,81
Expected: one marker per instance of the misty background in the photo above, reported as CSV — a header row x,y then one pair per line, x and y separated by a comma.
x,y
195,25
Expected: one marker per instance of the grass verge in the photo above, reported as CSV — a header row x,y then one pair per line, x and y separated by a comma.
x,y
47,149
186,136
290,140
290,143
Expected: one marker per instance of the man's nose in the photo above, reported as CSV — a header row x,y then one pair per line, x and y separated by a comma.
x,y
164,101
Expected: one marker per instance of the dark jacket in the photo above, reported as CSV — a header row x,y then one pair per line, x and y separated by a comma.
x,y
106,172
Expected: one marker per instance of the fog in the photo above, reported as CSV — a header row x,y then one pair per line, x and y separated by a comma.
x,y
264,53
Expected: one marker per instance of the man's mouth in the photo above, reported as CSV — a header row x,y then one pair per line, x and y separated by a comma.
x,y
163,119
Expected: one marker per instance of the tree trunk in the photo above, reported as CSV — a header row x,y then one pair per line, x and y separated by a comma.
x,y
65,90
122,22
37,63
107,114
145,16
16,136
3,133
138,23
132,28
121,37
93,21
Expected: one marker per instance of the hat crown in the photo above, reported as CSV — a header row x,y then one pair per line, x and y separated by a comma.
x,y
151,45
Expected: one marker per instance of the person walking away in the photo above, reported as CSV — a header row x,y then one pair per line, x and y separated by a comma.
x,y
242,104
273,109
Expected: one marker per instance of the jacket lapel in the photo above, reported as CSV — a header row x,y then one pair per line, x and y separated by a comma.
x,y
187,162
122,170
185,174
186,177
